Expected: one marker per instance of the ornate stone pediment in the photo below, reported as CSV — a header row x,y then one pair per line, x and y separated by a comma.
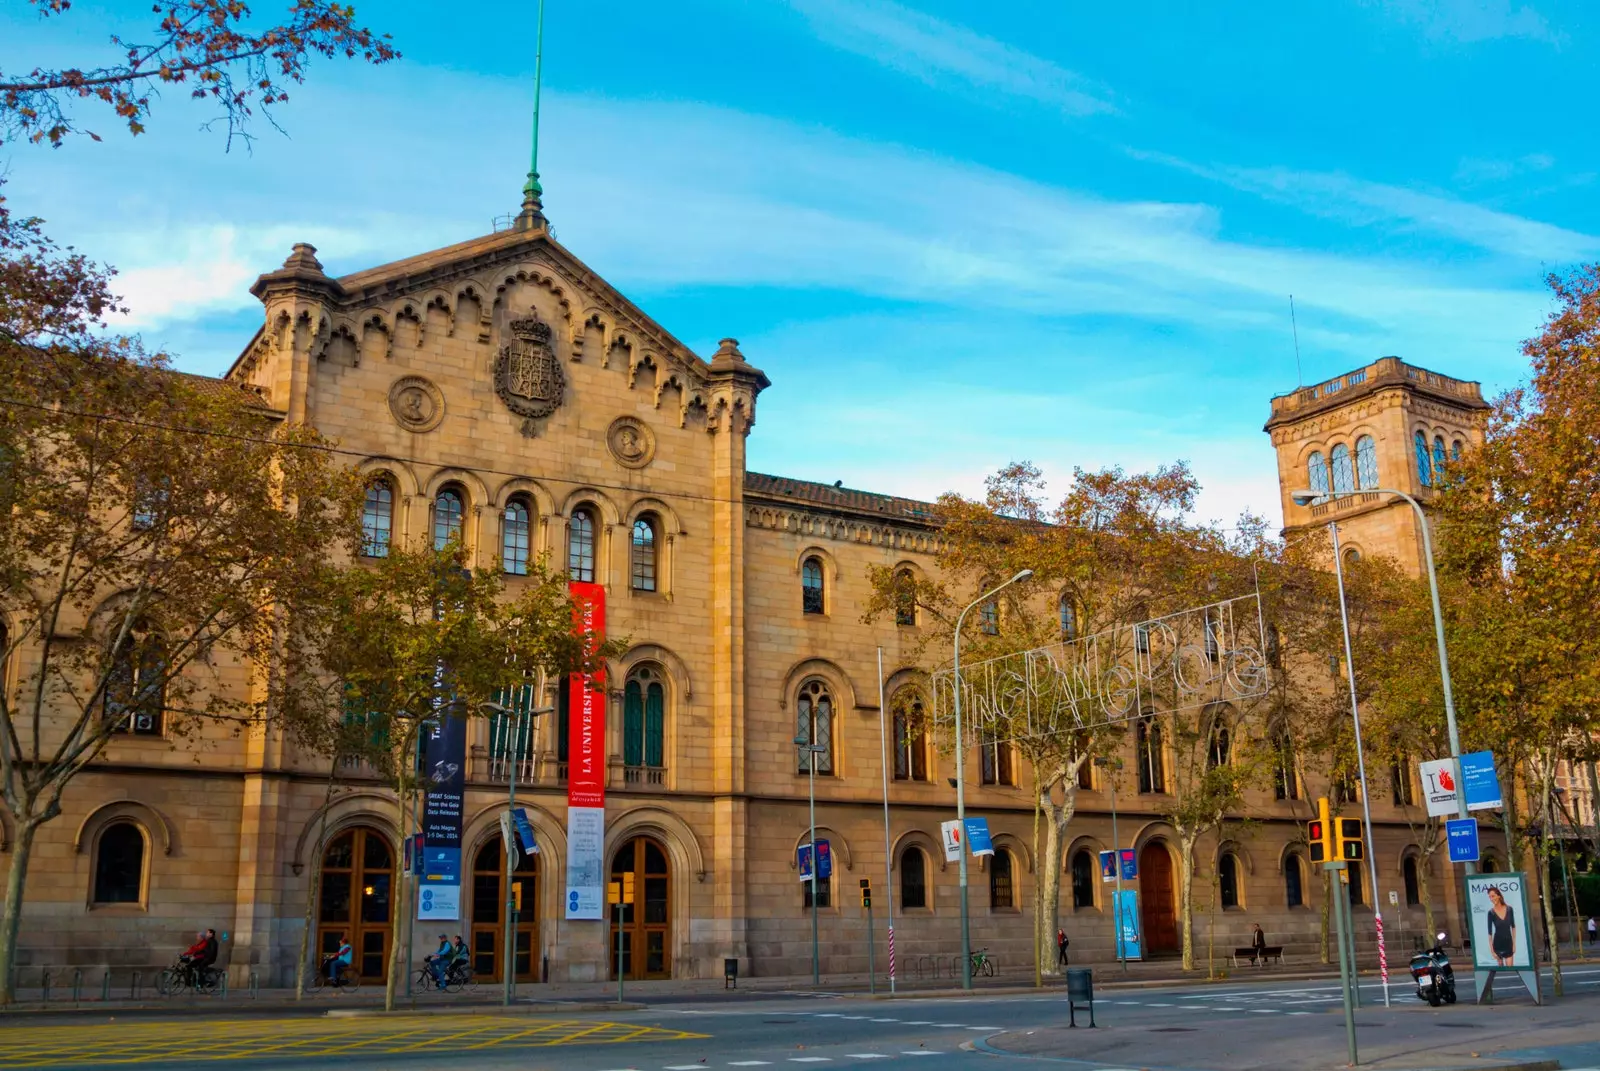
x,y
527,376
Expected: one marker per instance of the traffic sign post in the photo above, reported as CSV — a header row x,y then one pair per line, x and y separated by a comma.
x,y
619,894
1341,907
872,965
1461,834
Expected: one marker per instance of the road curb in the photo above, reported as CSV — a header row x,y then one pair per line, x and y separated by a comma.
x,y
983,1045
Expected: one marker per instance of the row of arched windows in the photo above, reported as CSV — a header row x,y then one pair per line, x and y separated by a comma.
x,y
1335,474
916,887
1084,869
516,535
1431,463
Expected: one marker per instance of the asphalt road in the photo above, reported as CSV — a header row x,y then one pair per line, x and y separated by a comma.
x,y
1193,1026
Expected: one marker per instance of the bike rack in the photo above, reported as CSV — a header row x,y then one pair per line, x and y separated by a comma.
x,y
224,993
255,986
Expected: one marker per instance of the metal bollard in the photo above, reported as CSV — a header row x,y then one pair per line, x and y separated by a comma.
x,y
105,986
133,990
224,985
77,984
44,984
255,986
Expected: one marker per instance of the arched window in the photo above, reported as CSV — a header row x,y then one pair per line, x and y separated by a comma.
x,y
814,727
811,586
135,692
119,864
1001,893
1067,618
1082,880
824,888
989,618
1285,785
580,545
1317,472
1351,556
643,554
1455,450
447,509
1343,478
1294,894
1408,870
996,762
1228,880
377,519
1424,463
1367,463
1490,864
905,597
913,878
1152,761
1219,746
1438,457
910,741
644,704
514,541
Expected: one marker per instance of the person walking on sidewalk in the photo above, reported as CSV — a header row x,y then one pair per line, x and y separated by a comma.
x,y
1594,930
1258,946
1061,947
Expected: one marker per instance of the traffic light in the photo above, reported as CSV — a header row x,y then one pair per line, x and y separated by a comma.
x,y
1349,839
516,892
866,893
1320,835
627,888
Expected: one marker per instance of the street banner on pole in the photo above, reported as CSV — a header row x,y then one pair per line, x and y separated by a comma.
x,y
1108,866
586,767
978,840
1479,783
530,846
1130,863
444,760
1439,786
509,841
1462,836
1128,924
824,861
951,833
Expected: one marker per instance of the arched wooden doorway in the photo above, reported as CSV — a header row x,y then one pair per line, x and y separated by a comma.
x,y
1158,902
356,898
646,931
488,914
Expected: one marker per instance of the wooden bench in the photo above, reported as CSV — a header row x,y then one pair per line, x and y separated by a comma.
x,y
1269,954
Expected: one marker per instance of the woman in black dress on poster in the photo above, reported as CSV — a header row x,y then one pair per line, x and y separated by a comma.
x,y
1502,928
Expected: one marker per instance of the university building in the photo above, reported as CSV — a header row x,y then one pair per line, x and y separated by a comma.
x,y
499,391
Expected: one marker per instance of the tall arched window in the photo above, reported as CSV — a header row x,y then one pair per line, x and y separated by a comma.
x,y
447,509
1152,761
514,540
1294,893
1343,478
1285,782
814,727
1002,894
910,741
913,878
1455,451
1408,871
642,556
989,618
135,692
1367,463
580,545
1317,472
905,597
996,762
377,519
119,864
1082,880
1424,462
1228,880
1439,459
811,586
1067,618
1219,745
644,704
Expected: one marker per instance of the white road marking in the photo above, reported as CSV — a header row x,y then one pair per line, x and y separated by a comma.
x,y
920,1022
919,1052
886,1020
748,1063
948,1026
810,1059
1132,1002
1300,1013
857,1017
1160,1005
983,1028
1222,1009
683,1067
867,1055
1264,1011
830,1015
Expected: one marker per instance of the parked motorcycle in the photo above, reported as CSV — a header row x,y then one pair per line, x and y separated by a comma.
x,y
1434,977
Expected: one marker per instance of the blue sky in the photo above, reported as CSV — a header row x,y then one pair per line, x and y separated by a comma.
x,y
953,235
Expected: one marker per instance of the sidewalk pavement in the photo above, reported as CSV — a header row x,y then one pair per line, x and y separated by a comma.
x,y
568,997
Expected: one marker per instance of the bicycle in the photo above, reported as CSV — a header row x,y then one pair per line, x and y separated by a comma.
x,y
982,963
349,979
458,976
183,976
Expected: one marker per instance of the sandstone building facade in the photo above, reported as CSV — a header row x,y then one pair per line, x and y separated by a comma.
x,y
741,594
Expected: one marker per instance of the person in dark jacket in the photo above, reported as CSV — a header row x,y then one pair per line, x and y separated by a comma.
x,y
1258,946
208,958
1061,948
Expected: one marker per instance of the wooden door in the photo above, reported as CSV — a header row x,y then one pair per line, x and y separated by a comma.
x,y
488,914
1158,910
646,948
356,898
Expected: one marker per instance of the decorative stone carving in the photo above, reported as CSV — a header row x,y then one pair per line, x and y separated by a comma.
x,y
527,375
631,442
417,405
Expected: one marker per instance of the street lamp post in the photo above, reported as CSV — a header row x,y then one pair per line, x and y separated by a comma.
x,y
811,750
1112,767
961,787
519,728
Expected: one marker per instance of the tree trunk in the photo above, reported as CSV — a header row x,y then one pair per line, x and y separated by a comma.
x,y
11,917
397,963
1050,867
1038,895
1552,935
1186,897
1327,902
312,889
1426,893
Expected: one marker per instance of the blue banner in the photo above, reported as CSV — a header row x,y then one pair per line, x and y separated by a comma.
x,y
1128,943
519,817
1108,866
824,859
1130,864
444,760
978,841
1479,783
1462,836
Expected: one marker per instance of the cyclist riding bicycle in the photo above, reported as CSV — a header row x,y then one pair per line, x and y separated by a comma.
x,y
459,957
193,957
340,961
440,961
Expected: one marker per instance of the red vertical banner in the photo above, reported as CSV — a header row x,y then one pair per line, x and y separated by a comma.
x,y
586,730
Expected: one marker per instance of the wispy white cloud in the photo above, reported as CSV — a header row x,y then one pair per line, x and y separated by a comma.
x,y
949,55
1374,204
1474,169
1470,21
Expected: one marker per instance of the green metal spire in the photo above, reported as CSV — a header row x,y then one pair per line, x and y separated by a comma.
x,y
532,216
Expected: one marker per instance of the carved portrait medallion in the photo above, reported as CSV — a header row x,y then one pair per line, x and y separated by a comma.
x,y
527,375
416,404
631,442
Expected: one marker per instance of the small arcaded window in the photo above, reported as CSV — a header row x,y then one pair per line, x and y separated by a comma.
x,y
1424,461
1228,880
447,510
1294,893
1083,868
580,546
1413,883
1317,472
377,519
1067,618
1366,463
1343,477
814,728
905,597
643,555
514,538
811,586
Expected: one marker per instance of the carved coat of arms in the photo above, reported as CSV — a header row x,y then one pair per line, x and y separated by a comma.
x,y
527,375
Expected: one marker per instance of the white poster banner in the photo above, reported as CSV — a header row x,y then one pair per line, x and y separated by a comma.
x,y
586,884
439,903
1498,904
1439,786
951,831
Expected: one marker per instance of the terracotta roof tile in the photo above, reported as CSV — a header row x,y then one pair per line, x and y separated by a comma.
x,y
840,497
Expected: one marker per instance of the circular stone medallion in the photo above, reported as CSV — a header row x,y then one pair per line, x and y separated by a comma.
x,y
631,442
416,403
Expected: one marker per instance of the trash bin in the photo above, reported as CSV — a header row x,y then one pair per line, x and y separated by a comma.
x,y
730,973
1080,990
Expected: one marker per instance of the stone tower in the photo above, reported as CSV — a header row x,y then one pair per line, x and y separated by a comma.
x,y
1388,425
